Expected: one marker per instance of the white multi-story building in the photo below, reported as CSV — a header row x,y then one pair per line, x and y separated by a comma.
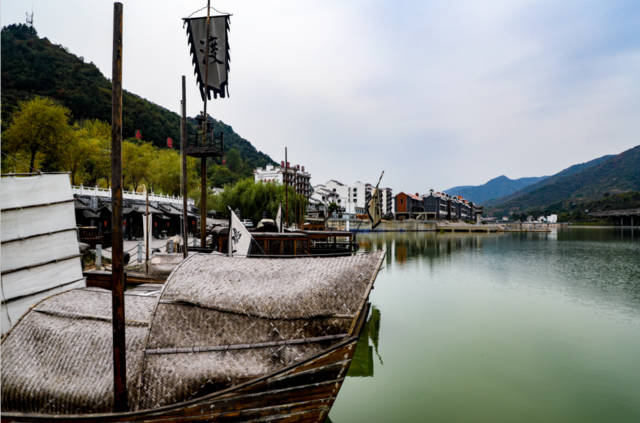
x,y
388,205
352,199
325,195
294,176
339,194
359,197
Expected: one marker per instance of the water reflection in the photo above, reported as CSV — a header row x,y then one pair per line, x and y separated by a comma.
x,y
523,327
561,260
403,248
362,363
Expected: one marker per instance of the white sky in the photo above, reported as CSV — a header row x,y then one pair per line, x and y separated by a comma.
x,y
437,93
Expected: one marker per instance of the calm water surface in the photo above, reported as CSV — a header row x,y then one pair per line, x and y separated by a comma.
x,y
500,328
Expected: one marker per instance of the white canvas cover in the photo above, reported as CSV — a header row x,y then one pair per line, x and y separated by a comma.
x,y
40,254
239,237
218,54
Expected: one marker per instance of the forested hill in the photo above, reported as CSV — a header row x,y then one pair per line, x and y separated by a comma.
x,y
35,66
592,180
495,188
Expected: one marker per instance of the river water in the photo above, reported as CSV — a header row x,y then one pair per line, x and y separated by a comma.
x,y
514,327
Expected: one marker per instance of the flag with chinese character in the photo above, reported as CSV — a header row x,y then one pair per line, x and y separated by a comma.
x,y
170,142
217,55
239,237
279,218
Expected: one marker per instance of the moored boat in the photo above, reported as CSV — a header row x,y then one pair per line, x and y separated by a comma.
x,y
226,339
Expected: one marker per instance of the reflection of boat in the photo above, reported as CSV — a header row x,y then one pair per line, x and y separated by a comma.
x,y
362,363
227,339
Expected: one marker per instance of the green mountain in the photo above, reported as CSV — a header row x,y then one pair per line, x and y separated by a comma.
x,y
495,188
35,66
592,180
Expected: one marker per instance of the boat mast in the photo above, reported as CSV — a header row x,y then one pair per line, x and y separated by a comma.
x,y
286,187
117,269
203,161
183,155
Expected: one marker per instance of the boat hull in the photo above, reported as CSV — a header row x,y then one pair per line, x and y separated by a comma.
x,y
303,392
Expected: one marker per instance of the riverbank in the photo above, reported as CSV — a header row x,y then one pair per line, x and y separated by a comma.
x,y
412,225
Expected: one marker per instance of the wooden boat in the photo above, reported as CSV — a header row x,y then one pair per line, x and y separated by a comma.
x,y
226,339
291,243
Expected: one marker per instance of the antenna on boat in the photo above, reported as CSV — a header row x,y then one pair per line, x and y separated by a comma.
x,y
117,269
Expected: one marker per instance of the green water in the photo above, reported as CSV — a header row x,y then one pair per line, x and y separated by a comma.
x,y
500,328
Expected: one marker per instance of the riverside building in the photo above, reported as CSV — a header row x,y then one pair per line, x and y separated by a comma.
x,y
352,199
435,206
295,176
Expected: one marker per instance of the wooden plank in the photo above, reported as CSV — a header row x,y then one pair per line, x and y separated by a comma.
x,y
308,392
102,279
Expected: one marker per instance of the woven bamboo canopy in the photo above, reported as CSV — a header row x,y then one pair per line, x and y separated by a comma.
x,y
217,322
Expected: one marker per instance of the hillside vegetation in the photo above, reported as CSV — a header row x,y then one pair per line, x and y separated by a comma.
x,y
495,188
34,66
594,180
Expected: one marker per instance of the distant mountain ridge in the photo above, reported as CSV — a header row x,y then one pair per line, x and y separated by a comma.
x,y
495,188
591,180
34,66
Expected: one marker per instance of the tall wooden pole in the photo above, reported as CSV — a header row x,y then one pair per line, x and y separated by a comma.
x,y
203,161
146,223
286,188
183,154
117,273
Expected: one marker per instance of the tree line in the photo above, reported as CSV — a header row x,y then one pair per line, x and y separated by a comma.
x,y
41,137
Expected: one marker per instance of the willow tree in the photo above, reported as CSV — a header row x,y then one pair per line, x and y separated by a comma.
x,y
252,199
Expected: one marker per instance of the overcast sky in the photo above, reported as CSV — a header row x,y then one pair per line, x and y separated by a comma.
x,y
436,93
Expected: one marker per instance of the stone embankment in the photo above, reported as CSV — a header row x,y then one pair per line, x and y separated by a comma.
x,y
411,225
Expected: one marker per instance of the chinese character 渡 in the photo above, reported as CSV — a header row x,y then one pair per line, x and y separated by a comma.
x,y
213,50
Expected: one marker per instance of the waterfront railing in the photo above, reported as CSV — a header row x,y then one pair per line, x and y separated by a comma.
x,y
130,195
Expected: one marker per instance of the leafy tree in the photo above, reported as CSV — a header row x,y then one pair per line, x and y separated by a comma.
x,y
93,142
136,160
40,126
254,198
234,161
220,176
